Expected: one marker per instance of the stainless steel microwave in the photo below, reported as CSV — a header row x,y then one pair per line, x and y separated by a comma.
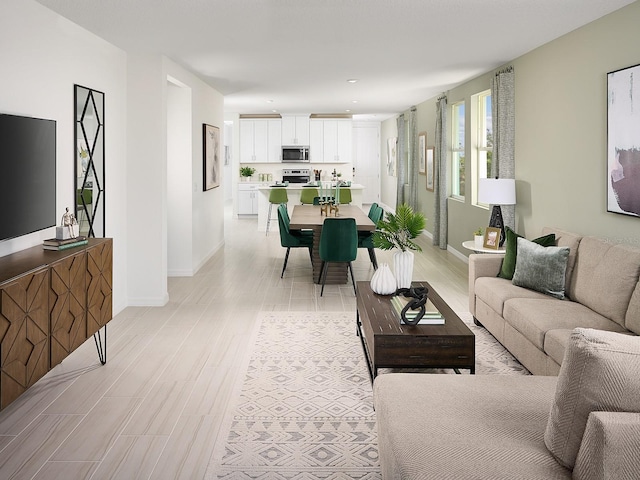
x,y
295,154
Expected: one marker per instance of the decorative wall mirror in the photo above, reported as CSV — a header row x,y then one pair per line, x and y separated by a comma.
x,y
89,161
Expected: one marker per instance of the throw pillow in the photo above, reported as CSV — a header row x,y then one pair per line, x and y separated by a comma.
x,y
511,250
599,372
541,268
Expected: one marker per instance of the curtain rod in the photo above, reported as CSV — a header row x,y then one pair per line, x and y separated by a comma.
x,y
508,69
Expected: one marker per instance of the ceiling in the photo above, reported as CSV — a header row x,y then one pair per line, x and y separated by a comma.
x,y
295,56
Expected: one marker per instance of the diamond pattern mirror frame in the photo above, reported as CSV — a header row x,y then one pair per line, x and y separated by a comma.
x,y
89,161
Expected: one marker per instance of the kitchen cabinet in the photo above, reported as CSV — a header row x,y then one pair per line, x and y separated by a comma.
x,y
260,140
248,199
331,140
295,130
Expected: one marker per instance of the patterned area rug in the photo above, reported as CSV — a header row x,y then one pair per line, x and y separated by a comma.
x,y
305,409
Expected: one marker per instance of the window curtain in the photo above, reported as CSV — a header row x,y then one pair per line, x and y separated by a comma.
x,y
440,217
503,111
413,160
401,161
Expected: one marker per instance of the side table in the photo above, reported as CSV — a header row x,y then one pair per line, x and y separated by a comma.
x,y
471,245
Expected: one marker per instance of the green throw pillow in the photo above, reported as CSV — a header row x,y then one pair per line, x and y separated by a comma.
x,y
511,251
541,268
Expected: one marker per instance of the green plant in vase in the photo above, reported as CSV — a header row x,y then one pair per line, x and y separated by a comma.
x,y
246,172
398,231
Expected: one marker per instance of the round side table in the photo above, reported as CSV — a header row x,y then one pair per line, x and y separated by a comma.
x,y
471,245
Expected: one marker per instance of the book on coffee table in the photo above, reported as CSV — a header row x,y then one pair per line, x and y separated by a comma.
x,y
431,316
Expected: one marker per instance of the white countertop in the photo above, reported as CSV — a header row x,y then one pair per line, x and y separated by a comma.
x,y
300,186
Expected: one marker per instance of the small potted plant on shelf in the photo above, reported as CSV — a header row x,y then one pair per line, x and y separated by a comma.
x,y
478,237
398,231
246,173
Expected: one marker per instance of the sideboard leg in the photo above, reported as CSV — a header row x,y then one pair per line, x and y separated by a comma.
x,y
102,348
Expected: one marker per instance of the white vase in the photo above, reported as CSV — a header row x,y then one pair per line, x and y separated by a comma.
x,y
403,267
479,240
383,282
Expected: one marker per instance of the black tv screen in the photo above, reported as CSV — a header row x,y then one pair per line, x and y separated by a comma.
x,y
27,175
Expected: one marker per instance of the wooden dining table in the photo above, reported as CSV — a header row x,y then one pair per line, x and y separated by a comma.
x,y
309,217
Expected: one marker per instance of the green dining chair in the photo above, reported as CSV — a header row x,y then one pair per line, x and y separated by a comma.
x,y
338,244
307,195
344,196
277,196
365,239
292,238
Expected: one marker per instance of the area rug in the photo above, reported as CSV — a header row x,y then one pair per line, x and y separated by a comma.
x,y
304,409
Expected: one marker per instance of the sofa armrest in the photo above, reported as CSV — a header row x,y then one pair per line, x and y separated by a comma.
x,y
609,447
482,265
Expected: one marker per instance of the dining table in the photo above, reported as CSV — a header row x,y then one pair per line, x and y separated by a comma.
x,y
311,217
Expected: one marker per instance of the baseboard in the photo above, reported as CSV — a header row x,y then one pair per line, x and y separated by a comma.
x,y
149,301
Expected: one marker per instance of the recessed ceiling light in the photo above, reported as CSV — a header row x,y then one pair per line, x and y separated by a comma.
x,y
269,101
352,80
347,110
354,101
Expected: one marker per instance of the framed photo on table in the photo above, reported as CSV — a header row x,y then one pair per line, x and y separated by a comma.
x,y
430,168
422,153
211,157
491,238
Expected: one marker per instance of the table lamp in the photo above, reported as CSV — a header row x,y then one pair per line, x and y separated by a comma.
x,y
496,192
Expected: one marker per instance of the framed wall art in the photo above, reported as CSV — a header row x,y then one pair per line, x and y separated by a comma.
x,y
422,153
211,157
430,167
623,141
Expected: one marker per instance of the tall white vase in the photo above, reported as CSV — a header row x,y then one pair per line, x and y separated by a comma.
x,y
403,267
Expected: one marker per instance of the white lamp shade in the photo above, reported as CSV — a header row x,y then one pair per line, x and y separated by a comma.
x,y
497,191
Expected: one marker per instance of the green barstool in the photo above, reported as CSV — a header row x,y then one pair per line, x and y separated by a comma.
x,y
277,196
344,196
307,195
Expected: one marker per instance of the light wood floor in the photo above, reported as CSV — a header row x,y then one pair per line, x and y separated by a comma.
x,y
155,410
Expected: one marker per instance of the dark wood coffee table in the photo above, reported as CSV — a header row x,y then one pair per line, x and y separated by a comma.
x,y
388,344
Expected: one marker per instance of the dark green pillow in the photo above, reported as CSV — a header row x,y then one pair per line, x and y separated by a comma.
x,y
511,252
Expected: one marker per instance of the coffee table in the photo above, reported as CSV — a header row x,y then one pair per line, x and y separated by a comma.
x,y
388,344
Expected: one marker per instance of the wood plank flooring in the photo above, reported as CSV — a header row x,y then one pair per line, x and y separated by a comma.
x,y
156,409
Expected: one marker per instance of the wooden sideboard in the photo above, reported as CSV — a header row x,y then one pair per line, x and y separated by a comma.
x,y
50,303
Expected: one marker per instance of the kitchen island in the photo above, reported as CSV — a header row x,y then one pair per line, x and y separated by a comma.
x,y
293,192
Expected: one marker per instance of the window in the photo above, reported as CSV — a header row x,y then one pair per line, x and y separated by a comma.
x,y
484,137
457,150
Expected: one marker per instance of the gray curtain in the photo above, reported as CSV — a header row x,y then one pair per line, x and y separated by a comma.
x,y
413,160
400,161
503,111
440,217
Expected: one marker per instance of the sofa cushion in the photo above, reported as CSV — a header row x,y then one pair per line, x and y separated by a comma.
x,y
541,269
599,373
555,343
605,276
494,291
533,318
566,239
511,250
632,318
464,426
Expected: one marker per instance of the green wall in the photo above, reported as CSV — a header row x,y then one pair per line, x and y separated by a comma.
x,y
561,135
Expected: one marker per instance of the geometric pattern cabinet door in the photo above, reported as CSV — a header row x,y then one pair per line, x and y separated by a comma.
x,y
24,333
68,306
99,286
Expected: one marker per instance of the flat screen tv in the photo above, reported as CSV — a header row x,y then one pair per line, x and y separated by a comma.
x,y
27,175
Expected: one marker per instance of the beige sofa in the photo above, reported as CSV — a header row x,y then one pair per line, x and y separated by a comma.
x,y
583,424
602,292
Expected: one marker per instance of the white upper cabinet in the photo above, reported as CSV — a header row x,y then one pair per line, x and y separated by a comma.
x,y
331,140
295,130
260,140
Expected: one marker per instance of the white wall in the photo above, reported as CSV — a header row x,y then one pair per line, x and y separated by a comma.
x,y
42,57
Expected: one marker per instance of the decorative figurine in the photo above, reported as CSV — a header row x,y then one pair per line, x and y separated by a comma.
x,y
68,226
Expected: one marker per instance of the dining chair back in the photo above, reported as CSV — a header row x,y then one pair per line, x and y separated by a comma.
x,y
307,195
277,196
365,239
291,239
338,244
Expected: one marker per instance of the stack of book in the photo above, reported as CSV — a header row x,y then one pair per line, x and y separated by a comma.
x,y
55,244
431,315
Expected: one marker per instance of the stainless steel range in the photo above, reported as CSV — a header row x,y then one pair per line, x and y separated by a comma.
x,y
296,175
